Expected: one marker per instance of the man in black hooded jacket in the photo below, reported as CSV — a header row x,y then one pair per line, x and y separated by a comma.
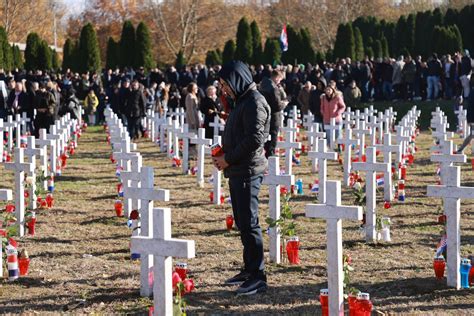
x,y
244,163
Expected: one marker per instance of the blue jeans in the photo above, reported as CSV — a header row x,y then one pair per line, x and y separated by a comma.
x,y
387,90
244,196
433,87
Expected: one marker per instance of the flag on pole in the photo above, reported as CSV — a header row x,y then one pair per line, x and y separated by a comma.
x,y
284,39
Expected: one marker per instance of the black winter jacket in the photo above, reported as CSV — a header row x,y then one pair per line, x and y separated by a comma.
x,y
135,104
247,126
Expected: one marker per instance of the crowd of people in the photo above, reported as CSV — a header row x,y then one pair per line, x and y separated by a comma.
x,y
131,93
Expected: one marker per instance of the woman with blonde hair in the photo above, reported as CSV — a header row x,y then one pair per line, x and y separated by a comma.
x,y
192,108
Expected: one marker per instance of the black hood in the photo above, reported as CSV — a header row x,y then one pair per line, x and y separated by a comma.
x,y
238,77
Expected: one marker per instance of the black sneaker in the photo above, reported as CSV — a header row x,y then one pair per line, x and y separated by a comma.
x,y
251,287
238,279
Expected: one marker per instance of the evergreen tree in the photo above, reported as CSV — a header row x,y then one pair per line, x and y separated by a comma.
x,y
244,51
7,60
127,45
451,17
457,40
229,51
213,58
89,54
180,61
359,44
272,52
143,54
378,53
369,52
389,34
307,51
44,56
329,55
54,59
385,51
68,52
33,43
257,49
410,33
420,37
219,56
112,54
319,57
17,57
401,31
345,43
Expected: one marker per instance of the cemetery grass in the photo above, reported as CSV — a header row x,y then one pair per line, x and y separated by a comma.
x,y
80,254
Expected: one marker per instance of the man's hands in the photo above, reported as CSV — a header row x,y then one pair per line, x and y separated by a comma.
x,y
219,162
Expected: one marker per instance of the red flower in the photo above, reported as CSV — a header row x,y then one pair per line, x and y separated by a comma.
x,y
134,215
188,285
283,190
386,205
175,279
10,208
222,199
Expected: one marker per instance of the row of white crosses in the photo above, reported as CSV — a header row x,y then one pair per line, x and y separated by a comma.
x,y
153,241
289,144
20,167
463,126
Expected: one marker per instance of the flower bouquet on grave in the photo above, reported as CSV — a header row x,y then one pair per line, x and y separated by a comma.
x,y
350,293
287,227
180,288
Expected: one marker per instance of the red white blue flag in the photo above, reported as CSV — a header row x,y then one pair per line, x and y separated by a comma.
x,y
284,39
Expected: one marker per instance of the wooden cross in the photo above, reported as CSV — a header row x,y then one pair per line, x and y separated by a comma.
x,y
217,126
31,152
186,136
158,242
348,142
451,193
387,149
333,212
201,141
371,167
20,167
314,134
322,155
146,194
274,179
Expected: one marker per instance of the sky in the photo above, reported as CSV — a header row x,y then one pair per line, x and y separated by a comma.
x,y
74,6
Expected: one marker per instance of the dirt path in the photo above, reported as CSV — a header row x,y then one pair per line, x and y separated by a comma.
x,y
80,257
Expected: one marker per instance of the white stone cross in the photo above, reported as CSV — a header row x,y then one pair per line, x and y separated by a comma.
x,y
274,179
387,149
20,167
31,152
158,242
360,131
18,130
451,193
216,176
10,125
332,128
334,213
289,144
44,143
371,167
348,142
2,129
164,126
131,178
308,121
322,155
186,136
447,157
169,136
146,194
5,195
54,151
314,134
175,131
201,141
217,126
24,120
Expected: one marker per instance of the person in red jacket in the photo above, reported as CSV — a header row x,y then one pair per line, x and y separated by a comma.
x,y
332,106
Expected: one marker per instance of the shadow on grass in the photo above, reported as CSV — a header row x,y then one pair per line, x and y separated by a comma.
x,y
105,220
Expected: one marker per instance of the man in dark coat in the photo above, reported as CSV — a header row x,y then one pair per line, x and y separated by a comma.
x,y
45,107
17,101
135,109
244,163
271,92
